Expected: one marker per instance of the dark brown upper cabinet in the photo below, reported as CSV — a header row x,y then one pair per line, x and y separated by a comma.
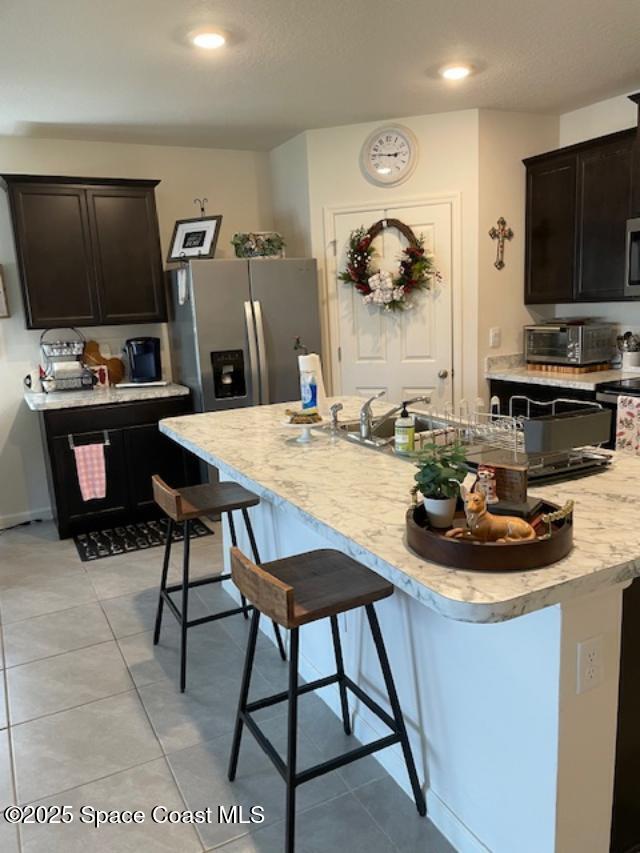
x,y
604,205
88,250
551,230
578,201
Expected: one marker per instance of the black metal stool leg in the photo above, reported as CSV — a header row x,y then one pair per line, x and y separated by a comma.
x,y
395,707
163,582
337,648
234,542
256,557
244,693
185,606
292,743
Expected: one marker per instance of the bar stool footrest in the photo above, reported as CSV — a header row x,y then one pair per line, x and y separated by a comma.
x,y
178,587
212,617
331,763
267,701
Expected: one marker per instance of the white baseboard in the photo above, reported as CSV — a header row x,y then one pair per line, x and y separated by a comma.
x,y
42,514
457,833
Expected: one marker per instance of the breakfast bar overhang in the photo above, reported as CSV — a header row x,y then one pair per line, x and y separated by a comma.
x,y
512,756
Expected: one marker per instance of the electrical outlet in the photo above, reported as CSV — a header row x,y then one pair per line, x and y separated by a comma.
x,y
495,337
590,664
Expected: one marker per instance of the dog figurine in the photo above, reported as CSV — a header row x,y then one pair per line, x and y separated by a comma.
x,y
483,526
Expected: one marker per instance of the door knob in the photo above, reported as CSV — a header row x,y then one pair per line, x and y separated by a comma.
x,y
442,374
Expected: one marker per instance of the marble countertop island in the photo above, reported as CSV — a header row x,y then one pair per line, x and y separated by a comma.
x,y
357,499
39,401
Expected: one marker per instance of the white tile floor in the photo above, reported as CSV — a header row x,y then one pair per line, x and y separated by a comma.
x,y
93,717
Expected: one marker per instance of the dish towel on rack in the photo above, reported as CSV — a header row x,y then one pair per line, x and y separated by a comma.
x,y
91,470
628,425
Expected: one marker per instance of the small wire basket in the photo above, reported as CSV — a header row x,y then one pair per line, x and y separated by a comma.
x,y
62,348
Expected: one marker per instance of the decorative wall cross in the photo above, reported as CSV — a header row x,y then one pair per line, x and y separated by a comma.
x,y
501,233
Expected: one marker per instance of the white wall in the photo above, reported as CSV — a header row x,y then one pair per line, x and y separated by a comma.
x,y
237,186
447,165
597,119
505,139
290,195
476,154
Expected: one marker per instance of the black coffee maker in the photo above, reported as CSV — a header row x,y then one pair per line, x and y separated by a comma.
x,y
143,359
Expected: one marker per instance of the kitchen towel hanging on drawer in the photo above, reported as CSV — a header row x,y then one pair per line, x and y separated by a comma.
x,y
90,465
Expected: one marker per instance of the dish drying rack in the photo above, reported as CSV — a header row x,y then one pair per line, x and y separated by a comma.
x,y
471,424
555,439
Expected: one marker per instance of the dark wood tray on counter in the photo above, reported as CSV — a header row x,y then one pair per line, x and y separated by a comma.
x,y
432,544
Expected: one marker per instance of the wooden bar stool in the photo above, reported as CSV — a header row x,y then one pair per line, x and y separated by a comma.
x,y
182,506
293,592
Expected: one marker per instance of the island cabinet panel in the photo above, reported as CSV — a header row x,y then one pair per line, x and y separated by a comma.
x,y
54,253
127,254
88,250
604,205
135,451
625,831
578,201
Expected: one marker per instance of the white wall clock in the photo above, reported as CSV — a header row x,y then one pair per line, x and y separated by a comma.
x,y
389,155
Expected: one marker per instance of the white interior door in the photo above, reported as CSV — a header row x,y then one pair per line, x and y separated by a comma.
x,y
405,353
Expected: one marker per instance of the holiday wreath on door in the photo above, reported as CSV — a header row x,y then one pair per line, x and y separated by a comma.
x,y
416,271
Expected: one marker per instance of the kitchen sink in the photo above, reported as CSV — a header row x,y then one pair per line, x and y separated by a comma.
x,y
383,431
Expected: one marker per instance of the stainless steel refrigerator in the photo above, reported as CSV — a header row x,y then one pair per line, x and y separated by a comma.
x,y
233,328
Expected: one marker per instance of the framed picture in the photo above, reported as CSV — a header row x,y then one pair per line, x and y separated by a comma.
x,y
4,305
194,238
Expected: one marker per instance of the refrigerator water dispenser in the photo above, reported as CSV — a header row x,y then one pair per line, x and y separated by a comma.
x,y
228,374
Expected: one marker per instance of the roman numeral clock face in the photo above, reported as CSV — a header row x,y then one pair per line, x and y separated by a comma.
x,y
389,156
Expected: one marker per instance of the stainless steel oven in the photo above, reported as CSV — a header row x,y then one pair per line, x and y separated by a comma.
x,y
568,343
632,272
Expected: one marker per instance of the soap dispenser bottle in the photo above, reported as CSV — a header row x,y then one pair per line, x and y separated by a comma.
x,y
405,432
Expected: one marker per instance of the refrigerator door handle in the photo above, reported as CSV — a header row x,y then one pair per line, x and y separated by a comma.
x,y
262,353
253,355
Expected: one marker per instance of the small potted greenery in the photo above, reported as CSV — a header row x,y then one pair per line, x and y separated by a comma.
x,y
441,469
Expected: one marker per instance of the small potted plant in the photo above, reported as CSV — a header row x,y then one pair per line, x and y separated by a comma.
x,y
441,469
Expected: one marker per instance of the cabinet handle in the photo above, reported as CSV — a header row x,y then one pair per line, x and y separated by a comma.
x,y
442,374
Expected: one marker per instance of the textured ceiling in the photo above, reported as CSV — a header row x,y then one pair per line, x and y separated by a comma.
x,y
123,70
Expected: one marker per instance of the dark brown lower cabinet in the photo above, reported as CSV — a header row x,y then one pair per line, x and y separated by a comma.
x,y
625,832
136,449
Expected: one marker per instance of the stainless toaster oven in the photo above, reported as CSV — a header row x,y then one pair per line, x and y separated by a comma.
x,y
568,343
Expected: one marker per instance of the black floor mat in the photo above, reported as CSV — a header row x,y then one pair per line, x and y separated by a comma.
x,y
131,537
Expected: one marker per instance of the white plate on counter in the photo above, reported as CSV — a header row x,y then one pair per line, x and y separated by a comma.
x,y
304,429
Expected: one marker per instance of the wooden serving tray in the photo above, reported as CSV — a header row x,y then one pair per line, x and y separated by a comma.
x,y
432,544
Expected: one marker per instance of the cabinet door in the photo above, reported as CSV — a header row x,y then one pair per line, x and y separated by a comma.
x,y
54,254
71,507
149,452
124,230
604,194
550,230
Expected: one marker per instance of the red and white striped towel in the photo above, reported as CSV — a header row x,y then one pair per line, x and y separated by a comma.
x,y
628,425
91,471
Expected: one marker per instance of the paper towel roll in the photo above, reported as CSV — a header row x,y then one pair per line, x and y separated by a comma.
x,y
311,362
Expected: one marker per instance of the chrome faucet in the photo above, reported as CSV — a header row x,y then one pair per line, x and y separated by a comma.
x,y
366,416
334,409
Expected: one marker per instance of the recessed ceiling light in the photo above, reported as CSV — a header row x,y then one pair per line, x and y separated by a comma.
x,y
208,39
455,72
